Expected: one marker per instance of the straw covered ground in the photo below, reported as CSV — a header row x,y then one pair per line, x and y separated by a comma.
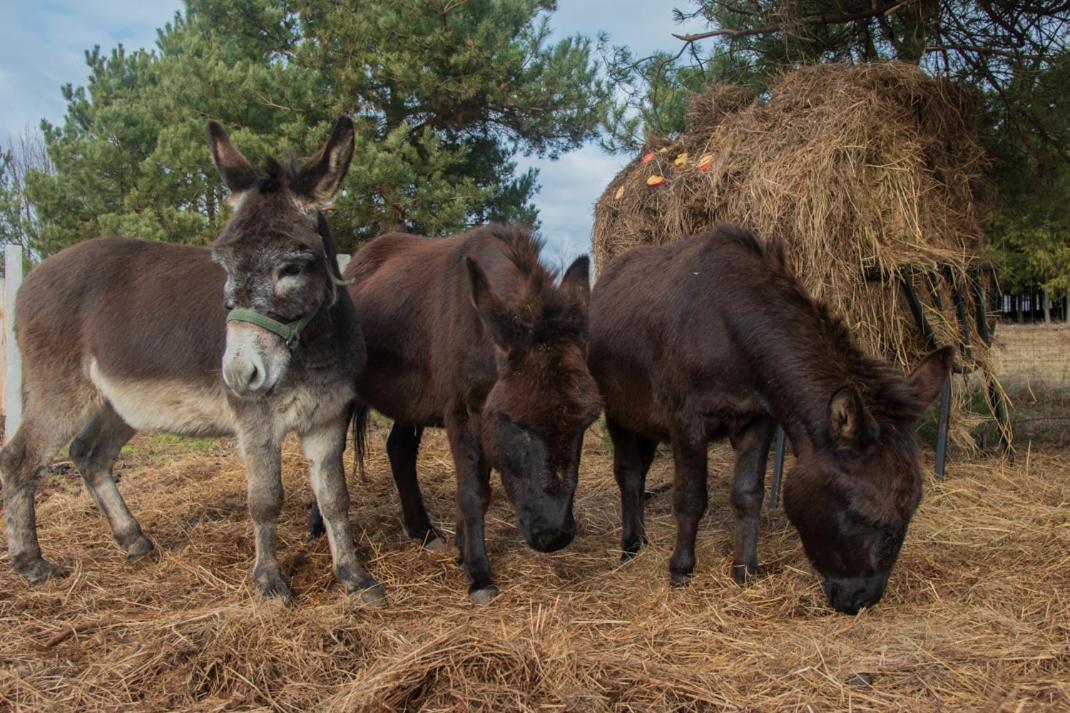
x,y
976,617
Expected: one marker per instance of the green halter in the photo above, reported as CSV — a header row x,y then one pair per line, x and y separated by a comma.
x,y
289,331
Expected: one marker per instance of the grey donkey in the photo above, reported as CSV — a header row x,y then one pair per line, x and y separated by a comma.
x,y
253,337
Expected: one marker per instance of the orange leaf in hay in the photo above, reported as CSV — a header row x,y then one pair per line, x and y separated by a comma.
x,y
649,157
705,162
620,192
681,160
655,181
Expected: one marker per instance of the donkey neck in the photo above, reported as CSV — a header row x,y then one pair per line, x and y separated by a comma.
x,y
802,356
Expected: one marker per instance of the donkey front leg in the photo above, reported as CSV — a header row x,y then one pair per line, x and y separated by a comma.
x,y
263,479
473,496
748,483
689,501
323,446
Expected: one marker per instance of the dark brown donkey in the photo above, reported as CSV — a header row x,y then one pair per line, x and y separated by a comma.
x,y
124,335
712,336
471,333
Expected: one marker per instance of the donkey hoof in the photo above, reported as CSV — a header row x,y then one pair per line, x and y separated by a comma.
x,y
743,573
373,596
429,538
434,542
483,595
630,549
140,548
271,586
40,570
371,592
678,580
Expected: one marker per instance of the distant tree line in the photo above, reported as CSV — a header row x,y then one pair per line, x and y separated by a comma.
x,y
447,94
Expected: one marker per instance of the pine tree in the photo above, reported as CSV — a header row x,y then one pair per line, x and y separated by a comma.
x,y
445,96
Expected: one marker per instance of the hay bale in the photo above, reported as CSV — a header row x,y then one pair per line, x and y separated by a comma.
x,y
861,171
857,169
716,102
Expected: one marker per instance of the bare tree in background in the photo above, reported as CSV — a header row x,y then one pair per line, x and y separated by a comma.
x,y
996,45
19,158
1003,47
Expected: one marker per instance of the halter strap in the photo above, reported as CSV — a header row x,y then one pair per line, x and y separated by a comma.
x,y
289,331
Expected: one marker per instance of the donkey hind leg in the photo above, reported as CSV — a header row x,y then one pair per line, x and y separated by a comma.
x,y
44,430
632,456
263,482
323,447
94,451
748,488
402,446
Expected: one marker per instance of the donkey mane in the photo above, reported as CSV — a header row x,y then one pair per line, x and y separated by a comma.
x,y
277,175
544,307
884,390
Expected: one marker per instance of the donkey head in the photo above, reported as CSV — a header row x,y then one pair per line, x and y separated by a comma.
x,y
544,398
280,268
852,498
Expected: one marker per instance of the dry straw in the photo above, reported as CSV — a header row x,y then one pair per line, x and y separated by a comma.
x,y
976,616
860,170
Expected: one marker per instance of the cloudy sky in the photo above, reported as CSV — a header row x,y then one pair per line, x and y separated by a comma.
x,y
42,47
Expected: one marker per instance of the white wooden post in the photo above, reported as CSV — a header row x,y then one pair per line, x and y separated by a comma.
x,y
12,359
3,342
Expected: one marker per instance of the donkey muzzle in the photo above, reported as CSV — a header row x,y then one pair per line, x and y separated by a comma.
x,y
551,540
849,594
254,359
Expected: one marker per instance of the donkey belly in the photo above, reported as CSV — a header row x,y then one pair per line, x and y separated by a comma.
x,y
173,405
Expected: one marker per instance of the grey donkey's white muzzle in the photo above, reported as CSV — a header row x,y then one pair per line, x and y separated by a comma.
x,y
254,359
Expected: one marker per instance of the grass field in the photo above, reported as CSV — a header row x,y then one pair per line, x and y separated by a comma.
x,y
977,615
1033,362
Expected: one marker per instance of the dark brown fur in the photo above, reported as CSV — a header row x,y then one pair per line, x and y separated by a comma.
x,y
712,336
472,333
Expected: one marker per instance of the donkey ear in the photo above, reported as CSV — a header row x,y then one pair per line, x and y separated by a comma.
x,y
235,171
576,281
504,326
850,425
319,179
930,373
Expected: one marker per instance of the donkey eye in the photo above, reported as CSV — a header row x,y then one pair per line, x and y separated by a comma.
x,y
290,270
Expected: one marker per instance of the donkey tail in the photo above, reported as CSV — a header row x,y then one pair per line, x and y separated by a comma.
x,y
360,440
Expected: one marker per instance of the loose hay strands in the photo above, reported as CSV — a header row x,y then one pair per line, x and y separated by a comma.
x,y
860,171
977,616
